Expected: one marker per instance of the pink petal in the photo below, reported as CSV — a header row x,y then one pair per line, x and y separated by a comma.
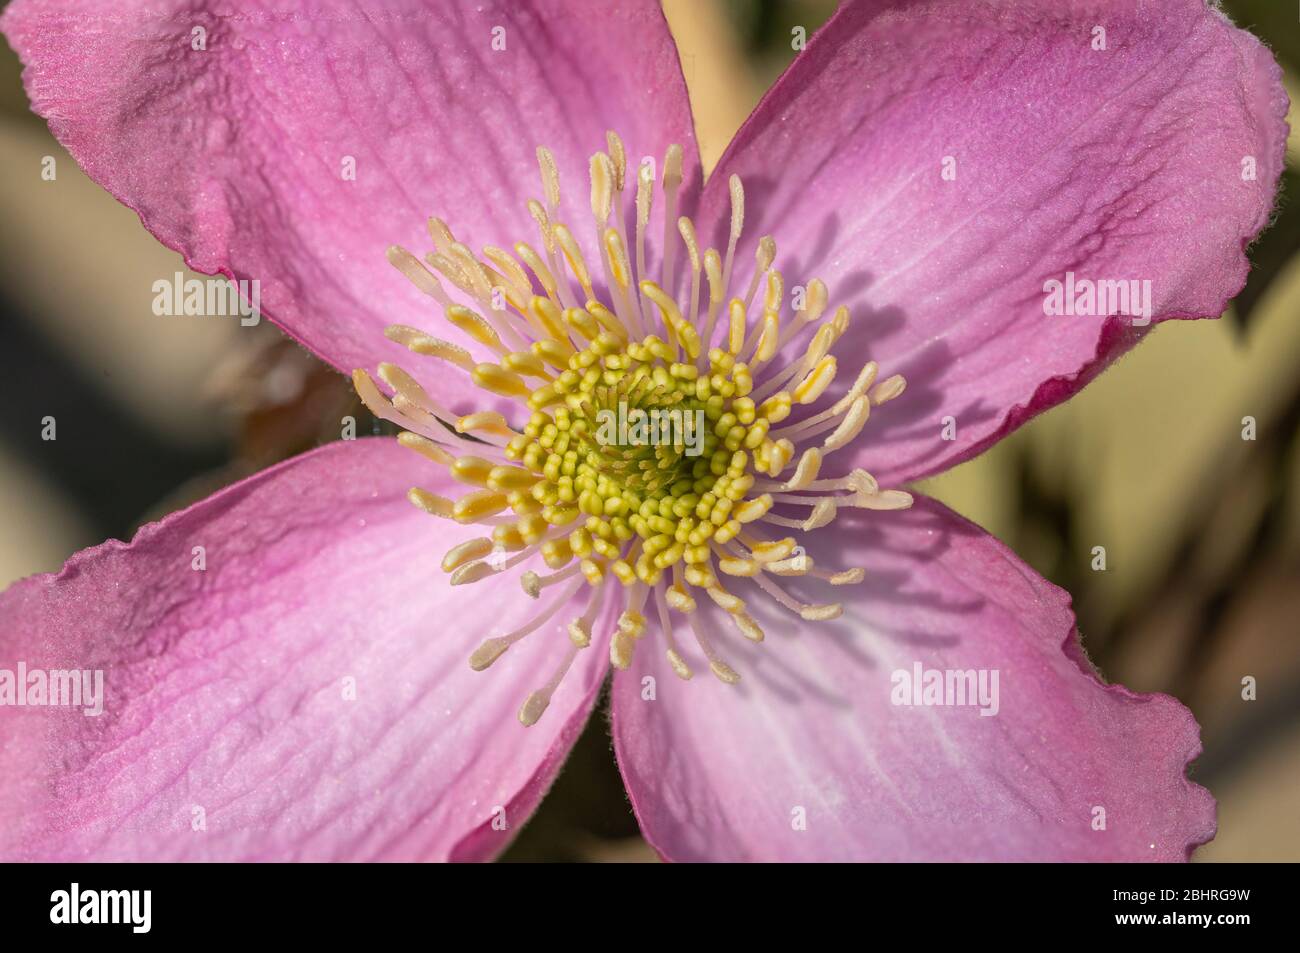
x,y
224,689
1118,164
719,772
234,156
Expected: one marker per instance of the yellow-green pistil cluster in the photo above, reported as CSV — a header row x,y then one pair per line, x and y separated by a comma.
x,y
671,503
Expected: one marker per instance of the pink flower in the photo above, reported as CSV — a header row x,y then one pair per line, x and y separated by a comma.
x,y
305,693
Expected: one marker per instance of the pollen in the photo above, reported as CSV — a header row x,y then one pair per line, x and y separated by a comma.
x,y
666,449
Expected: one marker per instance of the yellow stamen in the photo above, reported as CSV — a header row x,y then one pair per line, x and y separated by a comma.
x,y
644,457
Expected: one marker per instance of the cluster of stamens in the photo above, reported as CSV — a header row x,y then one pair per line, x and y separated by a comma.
x,y
649,522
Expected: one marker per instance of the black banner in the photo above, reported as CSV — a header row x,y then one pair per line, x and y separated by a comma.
x,y
136,903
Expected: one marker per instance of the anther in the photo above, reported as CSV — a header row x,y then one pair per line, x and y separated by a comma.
x,y
535,705
414,270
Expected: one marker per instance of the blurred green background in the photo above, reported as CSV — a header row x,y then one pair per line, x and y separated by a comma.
x,y
1201,528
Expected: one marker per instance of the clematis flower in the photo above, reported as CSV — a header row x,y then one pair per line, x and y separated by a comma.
x,y
852,300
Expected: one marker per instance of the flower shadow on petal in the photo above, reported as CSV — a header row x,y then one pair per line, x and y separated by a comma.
x,y
890,593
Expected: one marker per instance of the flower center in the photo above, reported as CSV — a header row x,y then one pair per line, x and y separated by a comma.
x,y
651,464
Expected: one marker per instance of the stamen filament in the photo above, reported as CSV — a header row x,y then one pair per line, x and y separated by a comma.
x,y
493,648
